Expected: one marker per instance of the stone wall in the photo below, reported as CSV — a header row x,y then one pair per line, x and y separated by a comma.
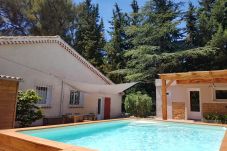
x,y
178,110
219,108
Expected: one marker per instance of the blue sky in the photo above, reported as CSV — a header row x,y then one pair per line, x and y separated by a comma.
x,y
106,8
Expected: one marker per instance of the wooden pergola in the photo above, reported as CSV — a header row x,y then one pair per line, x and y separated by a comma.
x,y
197,77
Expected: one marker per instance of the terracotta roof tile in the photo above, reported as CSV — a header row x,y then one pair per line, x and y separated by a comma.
x,y
10,77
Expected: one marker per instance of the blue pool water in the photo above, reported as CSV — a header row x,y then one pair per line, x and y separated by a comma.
x,y
137,136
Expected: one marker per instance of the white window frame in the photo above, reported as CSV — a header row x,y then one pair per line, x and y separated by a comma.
x,y
214,94
48,98
80,99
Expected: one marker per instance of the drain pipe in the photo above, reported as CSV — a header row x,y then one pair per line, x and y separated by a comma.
x,y
62,99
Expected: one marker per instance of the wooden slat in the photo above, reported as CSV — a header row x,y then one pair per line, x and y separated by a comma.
x,y
164,100
202,81
195,75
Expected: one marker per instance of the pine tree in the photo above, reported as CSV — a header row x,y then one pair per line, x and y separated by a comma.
x,y
191,26
205,23
160,25
89,35
118,44
55,18
15,17
135,13
219,19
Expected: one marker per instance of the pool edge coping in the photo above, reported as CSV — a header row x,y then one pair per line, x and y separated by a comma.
x,y
62,146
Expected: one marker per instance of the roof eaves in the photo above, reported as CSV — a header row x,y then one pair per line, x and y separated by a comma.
x,y
5,77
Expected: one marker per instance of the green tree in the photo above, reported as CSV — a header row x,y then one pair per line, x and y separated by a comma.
x,y
89,33
118,44
191,26
219,39
219,18
38,17
14,17
135,13
160,25
27,111
55,18
205,22
138,104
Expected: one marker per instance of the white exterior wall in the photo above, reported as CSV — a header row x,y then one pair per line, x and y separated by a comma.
x,y
179,93
49,64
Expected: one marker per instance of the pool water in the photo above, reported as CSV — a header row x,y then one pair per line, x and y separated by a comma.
x,y
137,136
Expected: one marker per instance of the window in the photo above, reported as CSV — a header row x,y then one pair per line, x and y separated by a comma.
x,y
221,94
45,93
74,98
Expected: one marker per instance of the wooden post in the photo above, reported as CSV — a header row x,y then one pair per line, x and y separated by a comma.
x,y
164,100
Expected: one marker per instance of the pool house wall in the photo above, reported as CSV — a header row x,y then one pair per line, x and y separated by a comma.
x,y
178,100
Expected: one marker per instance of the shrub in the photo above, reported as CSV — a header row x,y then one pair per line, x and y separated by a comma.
x,y
138,104
27,111
216,117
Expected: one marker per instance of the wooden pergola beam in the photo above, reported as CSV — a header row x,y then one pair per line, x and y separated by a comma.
x,y
202,81
195,75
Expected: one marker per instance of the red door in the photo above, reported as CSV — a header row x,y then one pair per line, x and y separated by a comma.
x,y
107,108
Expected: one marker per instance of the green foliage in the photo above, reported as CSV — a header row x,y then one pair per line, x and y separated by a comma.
x,y
15,17
55,17
138,104
219,39
90,34
219,19
27,111
118,43
146,63
191,26
217,118
205,26
159,26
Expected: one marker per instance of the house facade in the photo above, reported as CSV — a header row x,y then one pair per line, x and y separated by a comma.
x,y
190,96
67,83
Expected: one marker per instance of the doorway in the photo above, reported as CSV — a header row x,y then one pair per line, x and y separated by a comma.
x,y
194,104
107,105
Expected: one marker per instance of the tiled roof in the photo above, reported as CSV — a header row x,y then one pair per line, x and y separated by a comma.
x,y
11,40
10,77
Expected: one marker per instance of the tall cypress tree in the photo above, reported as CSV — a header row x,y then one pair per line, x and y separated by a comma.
x,y
118,43
191,26
89,35
205,23
135,13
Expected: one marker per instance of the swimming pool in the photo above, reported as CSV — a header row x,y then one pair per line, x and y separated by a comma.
x,y
135,135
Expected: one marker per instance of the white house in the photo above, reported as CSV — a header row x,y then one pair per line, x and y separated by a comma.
x,y
191,95
65,80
